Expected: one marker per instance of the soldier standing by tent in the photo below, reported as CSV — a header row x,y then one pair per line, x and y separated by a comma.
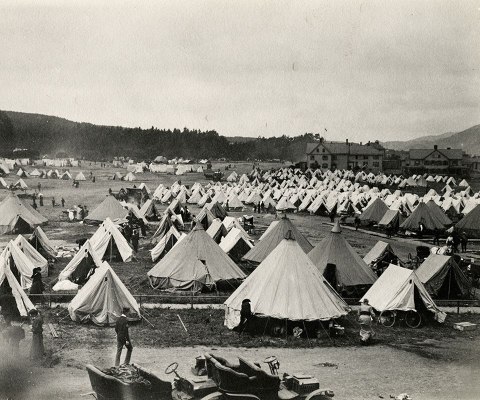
x,y
123,338
135,238
37,288
39,186
245,316
40,199
53,201
63,202
37,350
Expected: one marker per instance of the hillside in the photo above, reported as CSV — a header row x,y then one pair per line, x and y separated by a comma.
x,y
50,135
468,140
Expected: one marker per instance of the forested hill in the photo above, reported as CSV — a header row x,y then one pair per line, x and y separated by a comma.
x,y
53,135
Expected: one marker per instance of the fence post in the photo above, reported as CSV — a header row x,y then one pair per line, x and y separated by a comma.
x,y
458,306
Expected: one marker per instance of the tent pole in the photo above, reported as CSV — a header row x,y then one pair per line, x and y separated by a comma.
x,y
111,240
449,282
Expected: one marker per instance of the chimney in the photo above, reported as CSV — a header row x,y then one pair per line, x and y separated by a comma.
x,y
346,141
361,143
435,147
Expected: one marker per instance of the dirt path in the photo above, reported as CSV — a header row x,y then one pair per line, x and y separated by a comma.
x,y
360,373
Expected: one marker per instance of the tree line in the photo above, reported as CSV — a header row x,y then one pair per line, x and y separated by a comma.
x,y
52,135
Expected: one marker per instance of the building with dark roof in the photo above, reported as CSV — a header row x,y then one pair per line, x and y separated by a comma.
x,y
434,161
345,155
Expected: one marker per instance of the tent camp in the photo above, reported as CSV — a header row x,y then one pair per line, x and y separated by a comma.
x,y
20,184
17,216
108,208
166,243
40,242
33,255
470,223
102,299
340,264
150,211
286,285
400,289
195,263
82,266
109,243
374,212
443,278
429,218
271,240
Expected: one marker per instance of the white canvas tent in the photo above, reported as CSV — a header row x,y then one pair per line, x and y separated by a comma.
x,y
82,265
24,304
108,240
16,261
395,290
40,242
286,285
102,299
33,255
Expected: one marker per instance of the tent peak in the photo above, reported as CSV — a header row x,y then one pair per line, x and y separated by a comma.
x,y
336,227
289,235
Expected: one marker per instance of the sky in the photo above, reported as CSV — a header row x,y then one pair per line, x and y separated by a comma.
x,y
387,70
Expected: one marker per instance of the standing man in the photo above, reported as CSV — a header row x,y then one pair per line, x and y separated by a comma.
x,y
123,338
464,241
37,350
135,238
63,202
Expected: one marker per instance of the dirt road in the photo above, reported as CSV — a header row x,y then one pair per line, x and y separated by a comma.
x,y
449,370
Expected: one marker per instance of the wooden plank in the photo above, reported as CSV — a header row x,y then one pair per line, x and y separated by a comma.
x,y
53,331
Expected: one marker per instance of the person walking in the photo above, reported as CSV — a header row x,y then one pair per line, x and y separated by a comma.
x,y
37,350
63,202
37,288
40,199
53,201
123,338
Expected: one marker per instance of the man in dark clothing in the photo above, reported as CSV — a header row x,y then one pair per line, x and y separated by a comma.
x,y
34,204
37,350
245,316
464,241
123,338
53,201
456,241
135,238
127,232
37,288
40,198
143,228
63,202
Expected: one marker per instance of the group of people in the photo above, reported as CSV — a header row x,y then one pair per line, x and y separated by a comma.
x,y
455,239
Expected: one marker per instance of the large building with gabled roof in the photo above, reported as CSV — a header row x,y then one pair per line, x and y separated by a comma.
x,y
345,155
435,161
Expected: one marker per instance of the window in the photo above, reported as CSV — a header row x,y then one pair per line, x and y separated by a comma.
x,y
324,165
376,164
325,158
312,157
365,157
334,158
376,157
323,150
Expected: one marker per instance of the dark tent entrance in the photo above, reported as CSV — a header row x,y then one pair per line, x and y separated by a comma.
x,y
21,227
84,270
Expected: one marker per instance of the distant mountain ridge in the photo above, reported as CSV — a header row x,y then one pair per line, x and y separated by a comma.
x,y
467,140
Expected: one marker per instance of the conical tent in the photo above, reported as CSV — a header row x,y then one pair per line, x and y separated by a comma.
x,y
439,213
429,219
109,208
32,254
150,211
470,223
80,177
339,263
102,299
216,209
374,212
194,263
286,285
24,304
395,290
107,241
82,266
443,278
271,240
17,216
40,242
236,244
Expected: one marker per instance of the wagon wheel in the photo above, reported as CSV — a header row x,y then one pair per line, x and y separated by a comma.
x,y
387,318
320,394
413,319
171,368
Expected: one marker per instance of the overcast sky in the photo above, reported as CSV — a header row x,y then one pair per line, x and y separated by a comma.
x,y
387,70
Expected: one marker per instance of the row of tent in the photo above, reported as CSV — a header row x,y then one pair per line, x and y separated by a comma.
x,y
337,196
51,174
